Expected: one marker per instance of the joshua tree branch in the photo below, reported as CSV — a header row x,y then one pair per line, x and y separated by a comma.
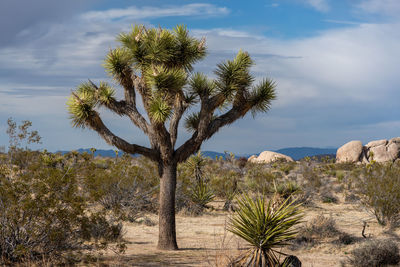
x,y
127,107
97,124
179,108
194,143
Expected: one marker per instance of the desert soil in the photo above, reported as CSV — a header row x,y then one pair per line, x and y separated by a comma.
x,y
204,241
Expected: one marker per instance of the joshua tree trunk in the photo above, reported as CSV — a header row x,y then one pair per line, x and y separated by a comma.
x,y
167,232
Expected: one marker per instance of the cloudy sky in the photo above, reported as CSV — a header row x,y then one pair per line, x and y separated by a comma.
x,y
336,64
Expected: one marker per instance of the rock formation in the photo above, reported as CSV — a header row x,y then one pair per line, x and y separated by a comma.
x,y
349,152
378,150
268,157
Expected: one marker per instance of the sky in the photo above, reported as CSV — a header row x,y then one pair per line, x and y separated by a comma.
x,y
335,63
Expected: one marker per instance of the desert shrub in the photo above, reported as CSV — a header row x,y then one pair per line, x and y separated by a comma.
x,y
312,177
375,253
379,187
43,214
328,197
339,175
241,162
351,197
346,166
345,239
322,226
287,167
259,180
318,228
226,184
124,188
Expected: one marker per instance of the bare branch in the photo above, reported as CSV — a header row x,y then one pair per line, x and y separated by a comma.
x,y
194,143
179,108
97,124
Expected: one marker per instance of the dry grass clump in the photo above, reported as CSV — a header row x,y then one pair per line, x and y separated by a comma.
x,y
318,228
375,253
322,226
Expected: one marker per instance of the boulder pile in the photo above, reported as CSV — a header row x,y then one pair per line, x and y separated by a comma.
x,y
379,151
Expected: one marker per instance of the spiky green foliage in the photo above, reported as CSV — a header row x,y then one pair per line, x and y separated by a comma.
x,y
201,194
262,96
105,93
166,80
81,106
200,85
117,62
265,227
234,75
160,111
192,121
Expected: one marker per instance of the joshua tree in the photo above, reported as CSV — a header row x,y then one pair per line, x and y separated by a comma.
x,y
158,63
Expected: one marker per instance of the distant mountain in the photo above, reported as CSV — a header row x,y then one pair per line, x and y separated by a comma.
x,y
297,153
99,152
294,152
213,154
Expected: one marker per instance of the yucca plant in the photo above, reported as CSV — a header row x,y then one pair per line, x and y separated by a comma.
x,y
265,227
201,194
286,189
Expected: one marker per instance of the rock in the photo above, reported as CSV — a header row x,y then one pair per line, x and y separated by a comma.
x,y
384,153
395,140
376,143
349,152
378,154
269,156
251,158
393,150
291,261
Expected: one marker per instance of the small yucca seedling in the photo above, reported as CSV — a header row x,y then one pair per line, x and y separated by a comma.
x,y
201,194
286,189
265,228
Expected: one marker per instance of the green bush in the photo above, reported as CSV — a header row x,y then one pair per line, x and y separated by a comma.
x,y
43,213
312,177
123,187
379,187
259,180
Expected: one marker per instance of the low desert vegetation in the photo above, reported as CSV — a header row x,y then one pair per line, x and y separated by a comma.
x,y
73,208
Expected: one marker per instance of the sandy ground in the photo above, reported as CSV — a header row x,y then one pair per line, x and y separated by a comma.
x,y
203,241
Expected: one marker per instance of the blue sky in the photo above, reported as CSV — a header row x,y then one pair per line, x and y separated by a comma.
x,y
335,62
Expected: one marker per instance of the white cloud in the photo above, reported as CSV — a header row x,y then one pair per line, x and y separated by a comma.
x,y
384,7
329,85
137,13
320,5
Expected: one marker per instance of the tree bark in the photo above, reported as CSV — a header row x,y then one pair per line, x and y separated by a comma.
x,y
167,227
